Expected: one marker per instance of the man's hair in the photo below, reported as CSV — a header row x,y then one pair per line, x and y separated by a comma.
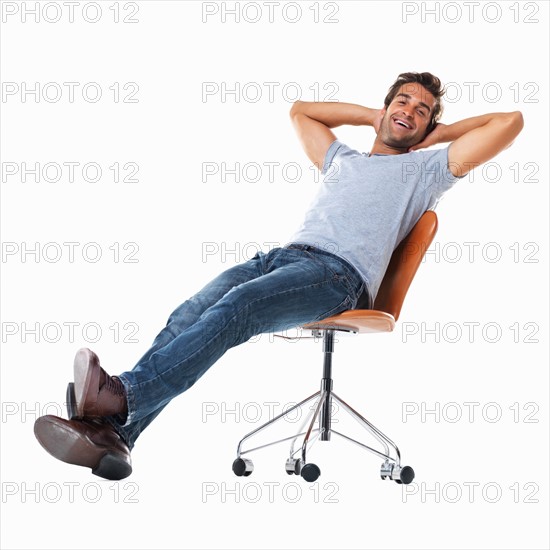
x,y
430,82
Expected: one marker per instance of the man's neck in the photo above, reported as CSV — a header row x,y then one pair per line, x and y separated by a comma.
x,y
380,148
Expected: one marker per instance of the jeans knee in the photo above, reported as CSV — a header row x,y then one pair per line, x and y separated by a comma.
x,y
239,316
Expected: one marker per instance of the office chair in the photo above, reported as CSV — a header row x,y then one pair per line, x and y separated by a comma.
x,y
401,270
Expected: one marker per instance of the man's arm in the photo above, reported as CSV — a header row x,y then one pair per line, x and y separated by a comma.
x,y
313,120
475,140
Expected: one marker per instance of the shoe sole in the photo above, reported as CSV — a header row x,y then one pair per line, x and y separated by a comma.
x,y
71,402
82,380
69,446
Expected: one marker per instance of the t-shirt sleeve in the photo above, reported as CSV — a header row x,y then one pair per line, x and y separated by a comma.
x,y
336,153
438,178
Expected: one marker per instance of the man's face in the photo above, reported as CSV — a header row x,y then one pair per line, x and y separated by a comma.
x,y
407,117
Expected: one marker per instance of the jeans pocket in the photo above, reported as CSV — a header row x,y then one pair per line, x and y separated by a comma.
x,y
346,281
257,255
333,268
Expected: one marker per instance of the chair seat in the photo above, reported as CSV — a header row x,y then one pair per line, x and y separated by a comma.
x,y
356,320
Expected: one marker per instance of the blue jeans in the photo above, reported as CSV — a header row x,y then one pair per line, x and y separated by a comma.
x,y
272,292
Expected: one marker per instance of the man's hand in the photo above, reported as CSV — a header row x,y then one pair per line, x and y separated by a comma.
x,y
313,122
377,117
437,135
475,140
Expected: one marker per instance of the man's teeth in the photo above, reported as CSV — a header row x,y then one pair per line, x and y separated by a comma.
x,y
402,124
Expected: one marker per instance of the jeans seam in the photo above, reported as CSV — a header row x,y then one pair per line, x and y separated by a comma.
x,y
331,312
131,398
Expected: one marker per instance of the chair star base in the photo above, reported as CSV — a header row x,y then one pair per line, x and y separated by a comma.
x,y
320,415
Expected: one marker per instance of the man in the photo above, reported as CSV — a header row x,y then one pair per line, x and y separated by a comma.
x,y
336,260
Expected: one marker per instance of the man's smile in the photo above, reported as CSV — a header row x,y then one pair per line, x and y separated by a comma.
x,y
403,124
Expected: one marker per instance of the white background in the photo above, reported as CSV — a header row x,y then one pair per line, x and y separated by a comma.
x,y
182,493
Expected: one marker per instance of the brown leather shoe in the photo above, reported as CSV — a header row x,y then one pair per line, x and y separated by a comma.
x,y
91,442
95,392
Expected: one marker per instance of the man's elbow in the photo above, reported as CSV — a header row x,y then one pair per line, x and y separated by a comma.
x,y
513,126
296,106
516,120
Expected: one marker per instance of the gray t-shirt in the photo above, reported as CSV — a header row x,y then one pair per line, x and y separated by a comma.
x,y
367,205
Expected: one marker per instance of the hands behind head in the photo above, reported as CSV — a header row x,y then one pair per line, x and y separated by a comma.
x,y
435,136
377,119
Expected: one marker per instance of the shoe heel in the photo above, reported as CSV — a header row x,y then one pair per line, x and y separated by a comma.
x,y
112,466
71,401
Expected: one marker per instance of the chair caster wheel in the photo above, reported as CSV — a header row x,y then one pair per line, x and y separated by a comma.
x,y
399,474
405,476
310,472
293,466
242,467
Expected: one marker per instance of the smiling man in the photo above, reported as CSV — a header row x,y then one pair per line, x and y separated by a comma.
x,y
370,201
366,204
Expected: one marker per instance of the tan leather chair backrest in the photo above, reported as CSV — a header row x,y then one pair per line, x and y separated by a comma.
x,y
404,263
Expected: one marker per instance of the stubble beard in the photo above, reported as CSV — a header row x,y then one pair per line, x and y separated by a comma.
x,y
400,143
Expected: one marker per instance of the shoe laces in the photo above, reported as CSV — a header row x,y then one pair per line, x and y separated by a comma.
x,y
114,385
